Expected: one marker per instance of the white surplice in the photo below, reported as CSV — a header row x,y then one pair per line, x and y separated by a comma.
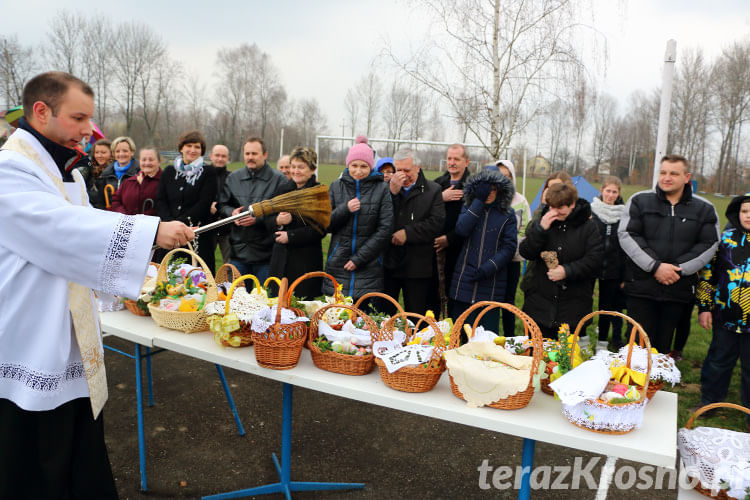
x,y
47,241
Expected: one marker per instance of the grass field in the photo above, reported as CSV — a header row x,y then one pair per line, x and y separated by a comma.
x,y
697,346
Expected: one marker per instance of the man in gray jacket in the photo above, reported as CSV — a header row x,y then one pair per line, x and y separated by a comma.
x,y
250,238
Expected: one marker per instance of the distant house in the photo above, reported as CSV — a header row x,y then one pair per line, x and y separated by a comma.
x,y
539,167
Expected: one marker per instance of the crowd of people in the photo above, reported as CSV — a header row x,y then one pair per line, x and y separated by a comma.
x,y
446,244
441,245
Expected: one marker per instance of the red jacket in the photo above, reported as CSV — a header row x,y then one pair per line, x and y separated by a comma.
x,y
133,198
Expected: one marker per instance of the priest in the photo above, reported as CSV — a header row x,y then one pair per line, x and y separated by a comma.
x,y
54,250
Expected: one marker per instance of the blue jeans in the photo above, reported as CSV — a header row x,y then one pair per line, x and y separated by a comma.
x,y
259,269
716,373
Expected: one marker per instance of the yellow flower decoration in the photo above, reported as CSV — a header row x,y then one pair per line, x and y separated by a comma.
x,y
628,376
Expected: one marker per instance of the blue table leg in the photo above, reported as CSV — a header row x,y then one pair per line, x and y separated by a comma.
x,y
139,404
148,378
527,462
286,486
224,384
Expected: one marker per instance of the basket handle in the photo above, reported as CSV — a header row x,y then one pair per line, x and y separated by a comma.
x,y
703,409
314,274
161,274
282,296
382,296
273,279
224,271
236,282
371,326
637,328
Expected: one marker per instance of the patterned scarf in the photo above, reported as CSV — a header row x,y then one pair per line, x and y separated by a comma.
x,y
191,172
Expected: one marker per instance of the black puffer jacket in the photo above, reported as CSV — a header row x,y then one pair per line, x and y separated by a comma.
x,y
243,188
653,231
489,236
579,250
607,218
303,253
421,212
109,177
361,236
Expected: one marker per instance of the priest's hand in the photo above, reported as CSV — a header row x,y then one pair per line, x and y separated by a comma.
x,y
173,234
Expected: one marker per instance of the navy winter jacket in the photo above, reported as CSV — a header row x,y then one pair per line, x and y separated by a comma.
x,y
490,235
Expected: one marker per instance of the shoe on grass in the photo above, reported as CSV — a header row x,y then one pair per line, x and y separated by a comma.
x,y
676,355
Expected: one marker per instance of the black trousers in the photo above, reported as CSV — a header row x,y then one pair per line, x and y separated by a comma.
x,y
509,319
683,329
418,293
54,454
726,347
658,318
611,299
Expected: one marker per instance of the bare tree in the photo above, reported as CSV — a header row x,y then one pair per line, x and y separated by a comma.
x,y
17,64
351,106
370,91
96,67
269,93
731,78
310,120
605,118
583,96
556,118
137,49
154,85
396,110
65,42
195,99
499,52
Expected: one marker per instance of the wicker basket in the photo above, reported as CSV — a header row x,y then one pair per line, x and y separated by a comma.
x,y
133,307
280,346
227,273
188,322
383,296
295,283
413,378
721,494
346,364
531,330
596,407
244,334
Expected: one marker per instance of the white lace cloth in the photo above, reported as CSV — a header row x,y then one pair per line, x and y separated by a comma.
x,y
348,334
396,356
245,305
267,316
586,381
482,335
106,302
603,417
717,457
663,367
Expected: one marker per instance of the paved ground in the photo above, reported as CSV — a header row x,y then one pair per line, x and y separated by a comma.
x,y
193,446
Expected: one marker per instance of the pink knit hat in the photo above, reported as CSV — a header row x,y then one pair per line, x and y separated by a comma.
x,y
360,151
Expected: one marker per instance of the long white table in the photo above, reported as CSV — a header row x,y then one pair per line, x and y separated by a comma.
x,y
655,443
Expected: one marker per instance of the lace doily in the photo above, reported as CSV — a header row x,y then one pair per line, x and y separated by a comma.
x,y
245,305
267,317
602,417
397,356
663,367
106,302
486,373
586,381
717,457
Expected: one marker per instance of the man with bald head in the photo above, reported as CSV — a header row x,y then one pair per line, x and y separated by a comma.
x,y
219,159
285,166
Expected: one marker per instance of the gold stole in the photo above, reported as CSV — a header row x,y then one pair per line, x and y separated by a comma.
x,y
80,300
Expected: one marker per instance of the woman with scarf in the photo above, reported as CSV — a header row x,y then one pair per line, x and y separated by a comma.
x,y
186,190
297,249
137,194
608,208
124,166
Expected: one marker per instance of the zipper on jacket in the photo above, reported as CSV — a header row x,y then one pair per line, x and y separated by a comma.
x,y
354,236
481,249
333,252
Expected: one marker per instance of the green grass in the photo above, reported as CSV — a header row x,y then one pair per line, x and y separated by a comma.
x,y
688,391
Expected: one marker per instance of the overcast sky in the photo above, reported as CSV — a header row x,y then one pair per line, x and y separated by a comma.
x,y
322,48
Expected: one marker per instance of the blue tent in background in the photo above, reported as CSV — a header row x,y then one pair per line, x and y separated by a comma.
x,y
584,187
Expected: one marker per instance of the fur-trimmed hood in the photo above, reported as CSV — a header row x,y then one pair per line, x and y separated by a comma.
x,y
505,189
733,210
